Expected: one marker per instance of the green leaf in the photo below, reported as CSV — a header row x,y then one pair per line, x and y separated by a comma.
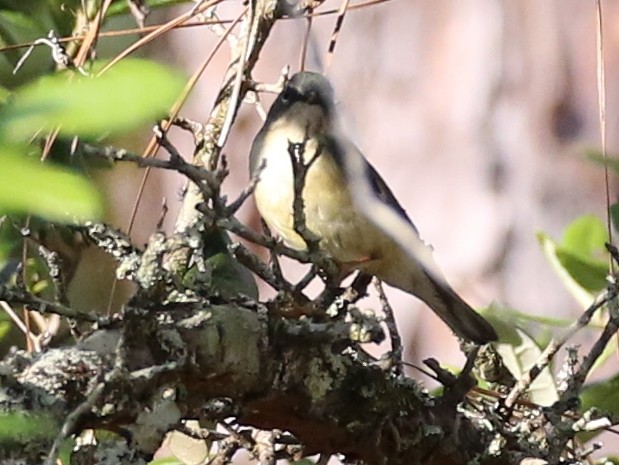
x,y
611,160
603,396
29,186
519,355
614,215
23,24
580,259
4,95
610,460
130,94
228,277
9,240
505,316
586,236
580,293
5,325
582,252
589,273
19,426
166,461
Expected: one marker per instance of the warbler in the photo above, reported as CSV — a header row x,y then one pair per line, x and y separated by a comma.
x,y
304,115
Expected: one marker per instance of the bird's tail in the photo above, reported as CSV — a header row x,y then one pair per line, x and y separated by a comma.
x,y
424,280
459,316
443,300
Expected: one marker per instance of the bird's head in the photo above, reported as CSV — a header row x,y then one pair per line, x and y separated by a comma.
x,y
306,96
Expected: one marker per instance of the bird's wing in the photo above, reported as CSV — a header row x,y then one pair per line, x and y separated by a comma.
x,y
337,148
255,153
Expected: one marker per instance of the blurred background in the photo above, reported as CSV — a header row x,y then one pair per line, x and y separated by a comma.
x,y
478,114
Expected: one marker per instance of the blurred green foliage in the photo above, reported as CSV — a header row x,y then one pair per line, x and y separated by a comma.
x,y
130,94
581,260
18,427
133,93
35,101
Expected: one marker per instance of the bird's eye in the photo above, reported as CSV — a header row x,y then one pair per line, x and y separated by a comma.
x,y
287,94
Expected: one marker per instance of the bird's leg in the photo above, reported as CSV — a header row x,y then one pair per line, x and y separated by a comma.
x,y
357,264
358,288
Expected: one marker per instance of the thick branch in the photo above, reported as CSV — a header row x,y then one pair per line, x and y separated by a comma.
x,y
284,374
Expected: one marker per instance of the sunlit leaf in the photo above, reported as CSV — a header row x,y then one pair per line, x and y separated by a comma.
x,y
580,259
580,293
520,357
131,93
29,186
589,273
610,460
187,449
166,461
582,252
586,235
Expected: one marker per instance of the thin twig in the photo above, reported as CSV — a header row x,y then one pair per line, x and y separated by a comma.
x,y
59,54
308,278
238,79
157,33
33,340
253,98
547,355
154,27
202,434
206,181
152,146
71,421
596,351
306,39
83,408
300,167
92,35
395,355
24,277
234,206
253,263
601,88
273,257
336,32
16,295
54,269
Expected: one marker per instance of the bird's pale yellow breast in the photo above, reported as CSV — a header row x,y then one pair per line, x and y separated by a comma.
x,y
329,211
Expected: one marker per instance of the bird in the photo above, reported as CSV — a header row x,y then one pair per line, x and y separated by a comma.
x,y
304,114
